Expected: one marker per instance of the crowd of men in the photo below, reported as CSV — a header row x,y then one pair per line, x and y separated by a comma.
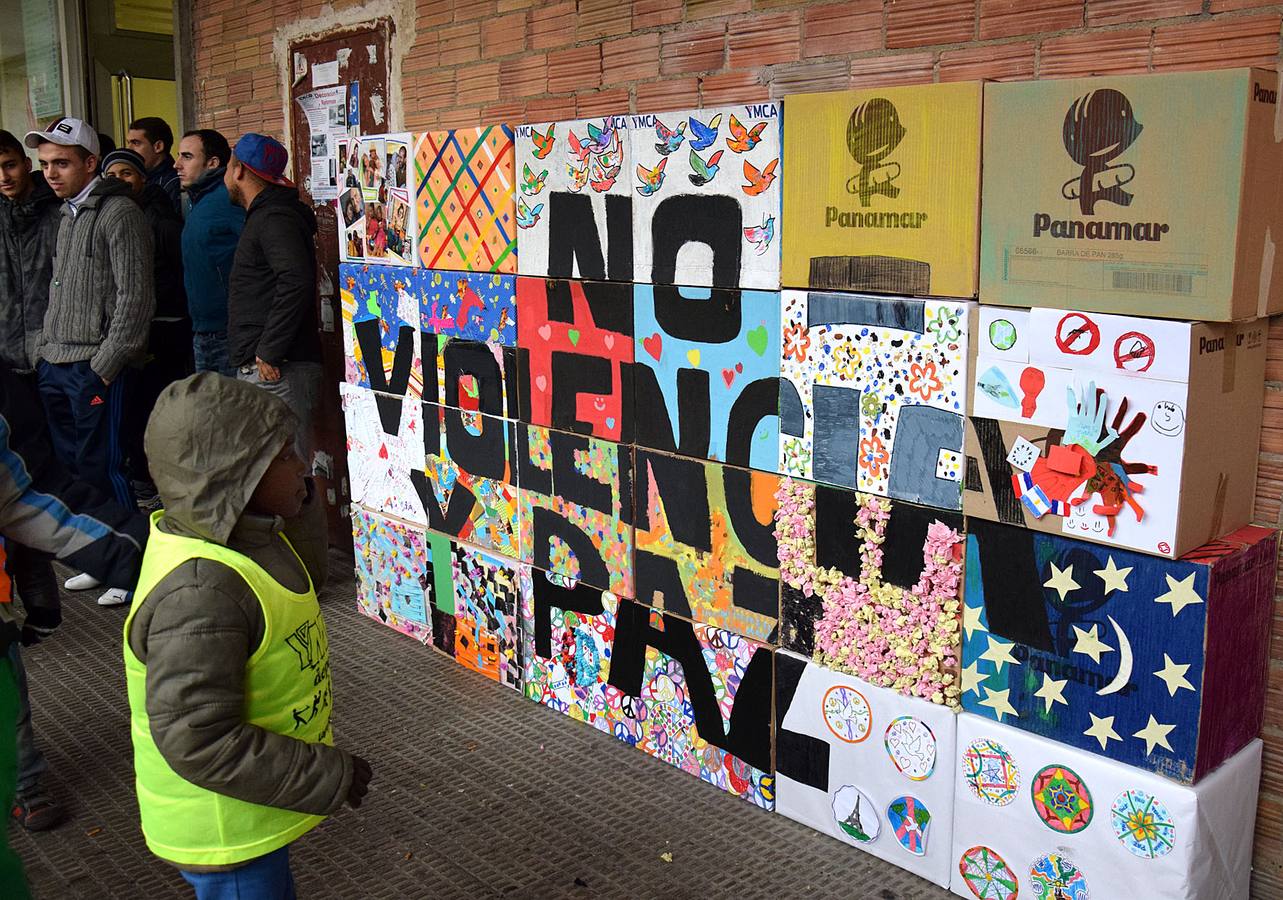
x,y
122,272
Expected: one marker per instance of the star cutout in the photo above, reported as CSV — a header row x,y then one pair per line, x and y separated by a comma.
x,y
1180,594
1052,691
971,620
1155,734
997,701
1062,580
999,653
1102,729
971,678
1088,644
1173,674
1115,578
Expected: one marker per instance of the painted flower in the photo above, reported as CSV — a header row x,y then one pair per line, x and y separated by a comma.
x,y
923,379
945,326
797,457
870,405
873,455
796,342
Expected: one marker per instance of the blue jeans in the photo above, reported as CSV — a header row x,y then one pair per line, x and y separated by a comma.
x,y
265,878
210,351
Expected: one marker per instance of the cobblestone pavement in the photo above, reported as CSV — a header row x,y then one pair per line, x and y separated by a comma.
x,y
477,792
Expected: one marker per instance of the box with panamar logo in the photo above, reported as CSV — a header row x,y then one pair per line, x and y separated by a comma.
x,y
1151,195
883,190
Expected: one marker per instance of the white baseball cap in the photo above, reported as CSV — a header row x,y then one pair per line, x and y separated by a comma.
x,y
67,131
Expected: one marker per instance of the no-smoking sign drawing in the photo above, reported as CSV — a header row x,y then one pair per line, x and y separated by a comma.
x,y
1077,335
1134,352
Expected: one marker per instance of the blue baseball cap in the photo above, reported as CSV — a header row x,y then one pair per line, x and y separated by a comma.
x,y
264,156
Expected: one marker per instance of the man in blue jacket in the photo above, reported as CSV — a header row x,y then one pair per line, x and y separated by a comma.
x,y
210,235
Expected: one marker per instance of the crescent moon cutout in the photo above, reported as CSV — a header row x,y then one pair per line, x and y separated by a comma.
x,y
1124,661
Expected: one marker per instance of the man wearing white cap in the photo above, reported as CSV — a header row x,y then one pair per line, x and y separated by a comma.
x,y
101,303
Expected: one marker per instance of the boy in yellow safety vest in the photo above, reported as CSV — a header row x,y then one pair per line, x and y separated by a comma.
x,y
226,658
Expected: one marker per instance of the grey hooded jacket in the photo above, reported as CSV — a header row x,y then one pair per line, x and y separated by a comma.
x,y
28,234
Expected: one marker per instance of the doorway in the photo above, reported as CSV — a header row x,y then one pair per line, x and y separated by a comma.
x,y
130,49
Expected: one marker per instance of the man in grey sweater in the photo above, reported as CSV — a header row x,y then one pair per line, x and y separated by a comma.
x,y
101,302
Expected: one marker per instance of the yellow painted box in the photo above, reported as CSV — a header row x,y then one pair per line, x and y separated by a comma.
x,y
883,190
1149,195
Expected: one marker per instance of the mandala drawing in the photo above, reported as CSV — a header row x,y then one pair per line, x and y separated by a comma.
x,y
847,713
1054,877
1061,799
987,875
912,747
990,772
1143,824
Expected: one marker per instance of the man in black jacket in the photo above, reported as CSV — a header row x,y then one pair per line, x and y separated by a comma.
x,y
271,298
151,138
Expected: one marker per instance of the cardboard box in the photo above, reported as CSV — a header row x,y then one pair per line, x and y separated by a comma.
x,y
1034,818
1153,195
865,765
1157,664
883,190
1139,433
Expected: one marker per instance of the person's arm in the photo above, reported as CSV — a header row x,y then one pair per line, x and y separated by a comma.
x,y
289,252
129,245
203,625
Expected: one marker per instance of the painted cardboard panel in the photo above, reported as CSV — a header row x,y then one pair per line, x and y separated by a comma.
x,y
376,209
708,183
694,696
384,445
706,383
381,345
488,593
575,341
469,324
883,191
705,543
871,586
397,582
469,484
576,515
873,393
1087,201
1157,664
464,195
575,202
1079,425
1034,818
865,766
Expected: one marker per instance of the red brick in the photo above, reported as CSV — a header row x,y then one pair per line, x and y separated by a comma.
x,y
655,13
422,56
603,18
596,104
1094,53
460,117
1000,62
1113,12
694,48
1252,41
503,35
661,96
1009,18
552,26
900,68
549,109
1228,5
478,84
525,75
435,91
764,40
507,6
509,112
743,86
575,69
433,14
918,23
707,9
842,28
833,75
630,59
459,43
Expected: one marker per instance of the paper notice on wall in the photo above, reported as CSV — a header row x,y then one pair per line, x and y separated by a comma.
x,y
325,111
325,74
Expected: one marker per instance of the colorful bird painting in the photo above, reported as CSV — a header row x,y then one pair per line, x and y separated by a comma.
x,y
532,184
600,139
703,172
743,139
578,176
669,139
703,136
651,179
543,142
605,178
760,236
527,217
758,179
578,149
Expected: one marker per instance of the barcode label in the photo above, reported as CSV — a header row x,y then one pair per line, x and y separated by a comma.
x,y
1154,282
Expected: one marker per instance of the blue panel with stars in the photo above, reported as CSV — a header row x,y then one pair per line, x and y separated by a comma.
x,y
1109,650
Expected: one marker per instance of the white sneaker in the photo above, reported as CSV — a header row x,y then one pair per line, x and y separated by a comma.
x,y
114,597
82,582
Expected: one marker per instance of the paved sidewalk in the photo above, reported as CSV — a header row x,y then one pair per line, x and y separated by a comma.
x,y
477,792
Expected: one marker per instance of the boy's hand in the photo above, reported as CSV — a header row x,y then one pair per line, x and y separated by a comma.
x,y
361,775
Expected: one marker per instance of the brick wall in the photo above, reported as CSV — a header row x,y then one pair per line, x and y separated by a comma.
x,y
531,61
